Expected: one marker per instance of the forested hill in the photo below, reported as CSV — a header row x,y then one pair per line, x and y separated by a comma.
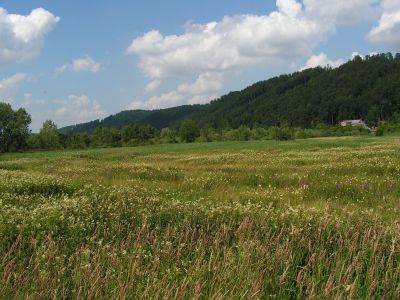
x,y
362,88
366,88
169,117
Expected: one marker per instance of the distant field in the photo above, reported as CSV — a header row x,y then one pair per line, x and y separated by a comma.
x,y
315,218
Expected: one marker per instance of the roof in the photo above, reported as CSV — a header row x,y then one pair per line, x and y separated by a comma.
x,y
353,121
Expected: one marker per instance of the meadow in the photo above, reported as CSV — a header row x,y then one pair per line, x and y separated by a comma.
x,y
316,218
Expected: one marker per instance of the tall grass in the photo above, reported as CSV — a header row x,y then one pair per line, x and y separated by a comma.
x,y
248,221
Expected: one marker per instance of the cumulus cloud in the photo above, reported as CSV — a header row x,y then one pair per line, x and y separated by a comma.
x,y
235,43
388,30
22,36
9,87
290,8
84,64
330,14
322,60
152,86
77,109
205,88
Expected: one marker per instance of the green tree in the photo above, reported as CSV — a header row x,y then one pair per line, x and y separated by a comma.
x,y
14,128
244,133
97,137
207,134
77,141
188,131
373,116
49,136
33,142
128,133
167,135
106,137
282,133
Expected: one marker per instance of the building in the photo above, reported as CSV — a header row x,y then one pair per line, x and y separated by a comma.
x,y
357,123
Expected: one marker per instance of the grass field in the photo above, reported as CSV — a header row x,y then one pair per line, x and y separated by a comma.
x,y
254,220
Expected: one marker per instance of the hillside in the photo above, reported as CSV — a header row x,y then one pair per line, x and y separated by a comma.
x,y
168,117
362,88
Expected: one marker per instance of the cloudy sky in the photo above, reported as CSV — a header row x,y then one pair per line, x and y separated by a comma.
x,y
73,61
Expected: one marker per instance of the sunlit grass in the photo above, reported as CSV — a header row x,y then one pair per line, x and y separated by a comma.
x,y
309,218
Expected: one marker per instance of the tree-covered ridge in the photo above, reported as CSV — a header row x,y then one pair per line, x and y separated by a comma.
x,y
366,88
169,117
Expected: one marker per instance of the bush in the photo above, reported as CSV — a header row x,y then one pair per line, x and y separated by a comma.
x,y
379,131
282,133
244,133
301,134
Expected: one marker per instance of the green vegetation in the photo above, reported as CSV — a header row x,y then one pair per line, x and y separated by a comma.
x,y
14,129
366,89
188,131
312,218
304,104
48,136
161,118
17,137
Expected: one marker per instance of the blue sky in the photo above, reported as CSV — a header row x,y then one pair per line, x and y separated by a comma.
x,y
75,61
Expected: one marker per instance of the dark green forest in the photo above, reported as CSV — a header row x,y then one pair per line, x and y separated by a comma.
x,y
367,89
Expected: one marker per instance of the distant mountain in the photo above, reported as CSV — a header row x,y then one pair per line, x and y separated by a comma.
x,y
161,118
366,89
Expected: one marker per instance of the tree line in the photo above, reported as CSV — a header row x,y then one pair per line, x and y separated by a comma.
x,y
16,136
303,104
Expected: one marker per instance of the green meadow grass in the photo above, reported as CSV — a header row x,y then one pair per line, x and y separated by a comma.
x,y
315,218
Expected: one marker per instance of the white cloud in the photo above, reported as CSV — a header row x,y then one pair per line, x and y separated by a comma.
x,y
233,44
137,104
388,30
330,14
22,36
152,86
84,64
362,55
322,60
9,87
205,88
29,101
77,109
289,8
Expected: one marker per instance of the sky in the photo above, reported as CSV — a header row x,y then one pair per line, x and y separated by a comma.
x,y
76,61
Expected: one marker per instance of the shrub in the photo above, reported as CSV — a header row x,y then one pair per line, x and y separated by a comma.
x,y
379,131
282,133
